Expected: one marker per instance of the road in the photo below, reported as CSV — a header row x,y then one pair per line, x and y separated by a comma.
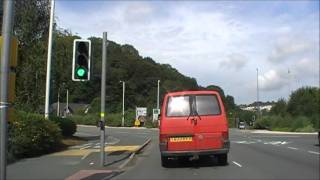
x,y
252,156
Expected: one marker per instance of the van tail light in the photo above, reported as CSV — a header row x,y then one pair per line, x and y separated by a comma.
x,y
225,135
226,142
163,142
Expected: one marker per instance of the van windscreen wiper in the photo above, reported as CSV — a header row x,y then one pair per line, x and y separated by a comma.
x,y
196,113
189,115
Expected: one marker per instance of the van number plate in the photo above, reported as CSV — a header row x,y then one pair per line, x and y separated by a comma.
x,y
181,139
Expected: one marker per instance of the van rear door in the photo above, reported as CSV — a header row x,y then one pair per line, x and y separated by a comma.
x,y
177,126
210,122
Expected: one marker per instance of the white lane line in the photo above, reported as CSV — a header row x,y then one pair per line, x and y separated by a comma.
x,y
237,164
87,144
293,148
86,147
313,152
85,156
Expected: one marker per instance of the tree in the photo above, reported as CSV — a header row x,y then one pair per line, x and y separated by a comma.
x,y
306,101
229,102
279,108
31,28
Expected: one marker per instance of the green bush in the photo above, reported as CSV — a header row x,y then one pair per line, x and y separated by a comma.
x,y
308,128
68,126
112,119
32,135
150,124
262,123
286,123
89,119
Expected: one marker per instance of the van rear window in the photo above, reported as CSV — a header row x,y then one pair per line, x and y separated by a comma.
x,y
188,105
178,106
207,105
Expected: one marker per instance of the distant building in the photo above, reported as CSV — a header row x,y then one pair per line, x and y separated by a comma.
x,y
253,107
72,108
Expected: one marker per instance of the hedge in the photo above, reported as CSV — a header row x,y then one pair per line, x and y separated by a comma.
x,y
112,119
68,126
32,135
286,123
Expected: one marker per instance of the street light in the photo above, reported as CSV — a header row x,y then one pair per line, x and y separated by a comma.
x,y
258,106
48,75
158,95
123,91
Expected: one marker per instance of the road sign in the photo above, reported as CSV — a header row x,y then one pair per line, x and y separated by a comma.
x,y
141,111
155,113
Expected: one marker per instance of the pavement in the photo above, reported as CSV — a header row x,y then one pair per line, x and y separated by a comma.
x,y
252,156
83,161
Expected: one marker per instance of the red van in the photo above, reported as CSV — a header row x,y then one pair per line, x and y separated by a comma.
x,y
193,123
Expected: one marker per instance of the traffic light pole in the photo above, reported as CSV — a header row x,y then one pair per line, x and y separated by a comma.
x,y
4,74
103,98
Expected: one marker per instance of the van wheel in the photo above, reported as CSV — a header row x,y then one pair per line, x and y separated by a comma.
x,y
164,161
223,159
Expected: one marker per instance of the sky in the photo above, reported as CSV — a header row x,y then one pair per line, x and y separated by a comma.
x,y
217,42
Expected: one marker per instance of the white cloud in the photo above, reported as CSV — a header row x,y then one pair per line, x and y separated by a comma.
x,y
273,80
287,48
234,61
206,40
138,12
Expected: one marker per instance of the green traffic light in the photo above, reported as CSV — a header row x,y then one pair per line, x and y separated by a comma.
x,y
81,72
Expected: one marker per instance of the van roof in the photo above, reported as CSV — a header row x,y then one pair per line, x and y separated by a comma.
x,y
192,92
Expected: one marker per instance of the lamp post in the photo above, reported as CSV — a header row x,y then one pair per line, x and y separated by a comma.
x,y
258,106
123,93
158,94
46,111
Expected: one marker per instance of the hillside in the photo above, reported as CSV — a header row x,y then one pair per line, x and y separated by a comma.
x,y
124,63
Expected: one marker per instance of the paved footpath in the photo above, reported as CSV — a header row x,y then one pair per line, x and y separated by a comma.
x,y
83,161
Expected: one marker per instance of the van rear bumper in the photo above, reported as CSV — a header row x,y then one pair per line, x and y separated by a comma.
x,y
192,153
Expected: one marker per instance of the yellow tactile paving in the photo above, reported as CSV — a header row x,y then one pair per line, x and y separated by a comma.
x,y
73,152
85,152
121,148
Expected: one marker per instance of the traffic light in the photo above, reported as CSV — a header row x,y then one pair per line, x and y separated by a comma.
x,y
81,60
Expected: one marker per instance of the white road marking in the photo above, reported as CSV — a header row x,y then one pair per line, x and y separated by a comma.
x,y
87,144
91,163
293,148
124,132
244,142
313,152
86,147
275,136
237,164
85,156
80,146
276,142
